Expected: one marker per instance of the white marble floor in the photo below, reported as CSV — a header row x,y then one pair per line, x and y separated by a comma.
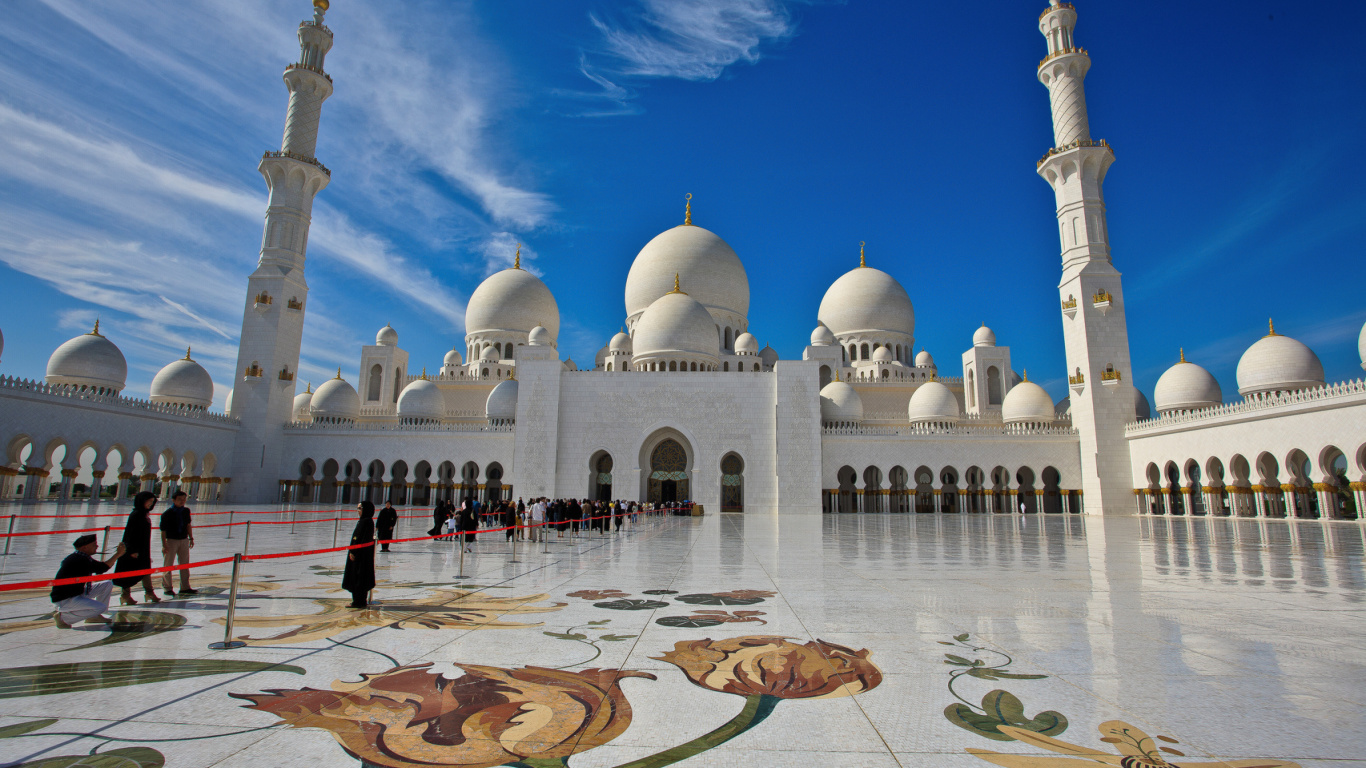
x,y
911,640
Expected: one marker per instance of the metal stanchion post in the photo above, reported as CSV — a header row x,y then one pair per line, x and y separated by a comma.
x,y
230,524
104,545
246,543
514,545
8,539
336,526
228,643
462,555
294,518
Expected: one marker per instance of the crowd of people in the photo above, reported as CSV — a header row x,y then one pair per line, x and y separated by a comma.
x,y
530,521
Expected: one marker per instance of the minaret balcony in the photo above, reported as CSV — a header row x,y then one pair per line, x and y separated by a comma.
x,y
1077,383
1071,146
1110,377
253,372
1059,6
1061,52
310,68
1069,307
301,158
1102,301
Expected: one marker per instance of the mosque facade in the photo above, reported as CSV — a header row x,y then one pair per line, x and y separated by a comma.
x,y
683,403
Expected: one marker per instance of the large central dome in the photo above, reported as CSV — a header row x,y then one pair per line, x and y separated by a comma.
x,y
707,267
512,300
867,301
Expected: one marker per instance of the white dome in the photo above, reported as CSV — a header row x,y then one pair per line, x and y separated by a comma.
x,y
1278,363
1027,402
302,402
932,401
769,356
89,360
1361,345
1186,387
569,364
1142,410
183,382
840,403
984,337
512,300
676,326
502,402
489,355
387,336
540,337
746,344
708,268
924,360
882,355
822,337
620,343
453,358
867,301
421,399
336,399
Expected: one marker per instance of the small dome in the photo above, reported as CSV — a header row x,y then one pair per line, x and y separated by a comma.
x,y
924,360
502,402
1361,346
387,336
489,355
882,355
421,400
336,400
676,325
453,358
984,337
867,301
183,382
302,402
707,266
933,402
1186,387
621,343
569,364
746,344
768,356
1278,363
540,337
1142,410
89,360
822,337
1027,402
840,404
512,300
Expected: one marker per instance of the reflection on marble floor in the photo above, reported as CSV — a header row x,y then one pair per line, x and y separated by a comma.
x,y
856,640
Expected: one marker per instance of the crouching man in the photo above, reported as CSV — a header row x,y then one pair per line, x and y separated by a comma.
x,y
87,601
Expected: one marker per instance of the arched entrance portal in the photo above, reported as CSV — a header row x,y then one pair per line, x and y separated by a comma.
x,y
668,473
732,483
600,476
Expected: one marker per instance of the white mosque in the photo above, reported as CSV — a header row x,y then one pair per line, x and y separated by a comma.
x,y
685,404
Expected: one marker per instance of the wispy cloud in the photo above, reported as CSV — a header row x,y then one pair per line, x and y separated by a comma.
x,y
684,39
500,251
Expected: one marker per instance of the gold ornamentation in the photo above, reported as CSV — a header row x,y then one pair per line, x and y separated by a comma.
x,y
687,211
517,259
1271,327
96,332
187,354
1102,297
253,370
861,261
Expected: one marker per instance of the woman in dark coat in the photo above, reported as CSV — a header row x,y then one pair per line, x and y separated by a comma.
x,y
137,542
387,521
468,522
438,518
509,519
359,577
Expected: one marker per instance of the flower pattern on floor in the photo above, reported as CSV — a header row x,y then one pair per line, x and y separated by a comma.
x,y
487,717
1135,749
446,609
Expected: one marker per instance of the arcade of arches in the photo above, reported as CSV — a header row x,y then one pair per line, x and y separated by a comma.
x,y
949,491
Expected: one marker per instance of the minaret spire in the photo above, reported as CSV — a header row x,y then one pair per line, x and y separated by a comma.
x,y
272,331
1095,335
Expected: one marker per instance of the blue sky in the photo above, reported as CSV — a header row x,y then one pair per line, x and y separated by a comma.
x,y
130,133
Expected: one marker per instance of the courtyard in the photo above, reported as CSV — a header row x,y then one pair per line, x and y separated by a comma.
x,y
724,640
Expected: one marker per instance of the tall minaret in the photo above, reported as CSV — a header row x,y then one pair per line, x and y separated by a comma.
x,y
273,320
1094,331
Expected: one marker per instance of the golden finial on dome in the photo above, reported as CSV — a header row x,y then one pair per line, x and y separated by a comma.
x,y
1183,354
1024,375
517,260
321,5
1271,327
96,332
687,211
677,289
424,373
308,390
512,374
338,373
861,261
187,354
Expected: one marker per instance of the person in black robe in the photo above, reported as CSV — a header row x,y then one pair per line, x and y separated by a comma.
x,y
387,521
439,515
359,576
469,523
509,520
137,543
